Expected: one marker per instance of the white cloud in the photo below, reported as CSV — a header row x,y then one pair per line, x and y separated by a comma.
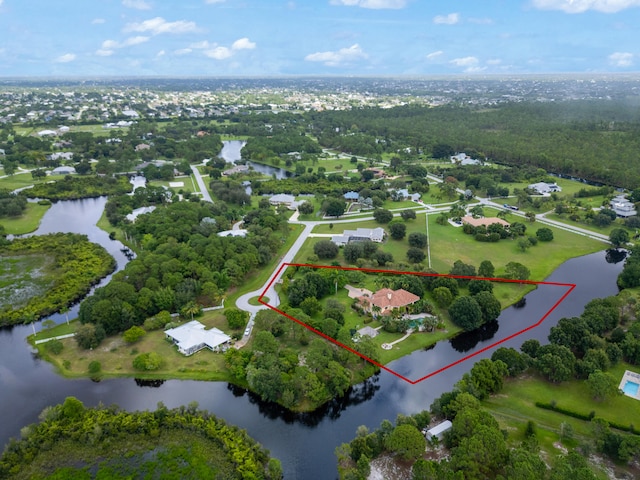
x,y
214,1
621,59
95,21
342,56
160,53
104,52
465,62
494,61
159,25
373,4
433,55
183,51
243,44
134,41
579,6
137,4
450,19
66,58
202,45
218,53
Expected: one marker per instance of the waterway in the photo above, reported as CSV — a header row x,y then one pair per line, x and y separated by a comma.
x,y
231,153
304,443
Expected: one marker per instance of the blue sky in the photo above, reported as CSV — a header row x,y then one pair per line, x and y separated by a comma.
x,y
317,37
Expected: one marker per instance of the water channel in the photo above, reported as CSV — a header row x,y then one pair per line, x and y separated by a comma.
x,y
231,153
304,443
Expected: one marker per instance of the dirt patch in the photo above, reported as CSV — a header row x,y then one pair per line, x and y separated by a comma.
x,y
386,467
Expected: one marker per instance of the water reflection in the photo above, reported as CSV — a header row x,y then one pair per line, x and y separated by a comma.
x,y
615,255
465,341
149,383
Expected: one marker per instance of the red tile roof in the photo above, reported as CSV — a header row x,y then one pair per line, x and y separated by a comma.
x,y
387,298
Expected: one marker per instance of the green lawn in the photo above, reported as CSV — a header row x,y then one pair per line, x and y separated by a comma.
x,y
189,184
20,180
28,222
514,406
588,226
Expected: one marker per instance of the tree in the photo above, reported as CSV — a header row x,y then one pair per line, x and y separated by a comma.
x,y
310,306
415,255
486,269
466,313
515,362
38,173
133,334
489,305
442,296
408,215
326,249
382,215
523,244
602,385
89,336
407,441
477,286
553,367
334,207
516,271
530,216
397,230
306,208
236,318
353,251
618,237
417,240
544,234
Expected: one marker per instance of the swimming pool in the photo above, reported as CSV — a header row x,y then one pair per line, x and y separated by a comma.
x,y
631,388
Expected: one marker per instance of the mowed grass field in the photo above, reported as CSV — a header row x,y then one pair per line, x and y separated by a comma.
x,y
514,406
449,244
26,223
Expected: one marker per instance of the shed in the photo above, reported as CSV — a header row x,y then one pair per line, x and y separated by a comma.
x,y
439,430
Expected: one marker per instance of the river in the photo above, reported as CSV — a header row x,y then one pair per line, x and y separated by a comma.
x,y
304,443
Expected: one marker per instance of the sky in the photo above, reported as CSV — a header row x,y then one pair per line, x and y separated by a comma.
x,y
317,37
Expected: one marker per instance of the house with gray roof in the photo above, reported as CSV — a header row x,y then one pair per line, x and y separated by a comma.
x,y
359,235
544,188
623,207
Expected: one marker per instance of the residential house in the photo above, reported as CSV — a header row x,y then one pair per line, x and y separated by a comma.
x,y
543,188
63,171
464,159
368,332
359,235
142,146
623,207
192,337
485,221
386,300
236,169
403,194
351,196
282,199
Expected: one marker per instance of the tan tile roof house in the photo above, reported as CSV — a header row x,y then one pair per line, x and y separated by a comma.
x,y
486,221
387,299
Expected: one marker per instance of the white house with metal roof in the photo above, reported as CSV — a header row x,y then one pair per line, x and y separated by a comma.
x,y
192,337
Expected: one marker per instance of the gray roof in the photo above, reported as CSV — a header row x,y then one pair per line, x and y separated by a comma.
x,y
192,334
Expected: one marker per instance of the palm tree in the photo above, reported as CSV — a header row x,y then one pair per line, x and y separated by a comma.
x,y
65,310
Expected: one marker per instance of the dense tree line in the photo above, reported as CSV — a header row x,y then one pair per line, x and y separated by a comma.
x,y
182,261
593,140
69,427
11,204
289,365
76,266
72,188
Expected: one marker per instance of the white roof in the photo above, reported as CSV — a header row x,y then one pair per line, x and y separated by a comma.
x,y
192,334
233,233
440,428
140,211
282,198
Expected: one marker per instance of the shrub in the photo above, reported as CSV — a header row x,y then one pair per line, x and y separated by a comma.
x,y
326,249
147,361
95,367
544,234
134,334
54,346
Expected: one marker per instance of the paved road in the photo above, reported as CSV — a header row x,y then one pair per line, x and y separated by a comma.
x,y
201,185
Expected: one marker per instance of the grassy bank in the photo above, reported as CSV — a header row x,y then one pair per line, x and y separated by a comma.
x,y
28,222
116,356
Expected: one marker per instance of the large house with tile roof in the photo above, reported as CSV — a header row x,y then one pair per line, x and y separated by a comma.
x,y
387,300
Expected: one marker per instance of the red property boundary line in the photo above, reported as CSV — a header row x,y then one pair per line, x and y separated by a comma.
x,y
569,286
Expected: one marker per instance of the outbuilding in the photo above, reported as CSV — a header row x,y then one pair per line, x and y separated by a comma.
x,y
439,430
